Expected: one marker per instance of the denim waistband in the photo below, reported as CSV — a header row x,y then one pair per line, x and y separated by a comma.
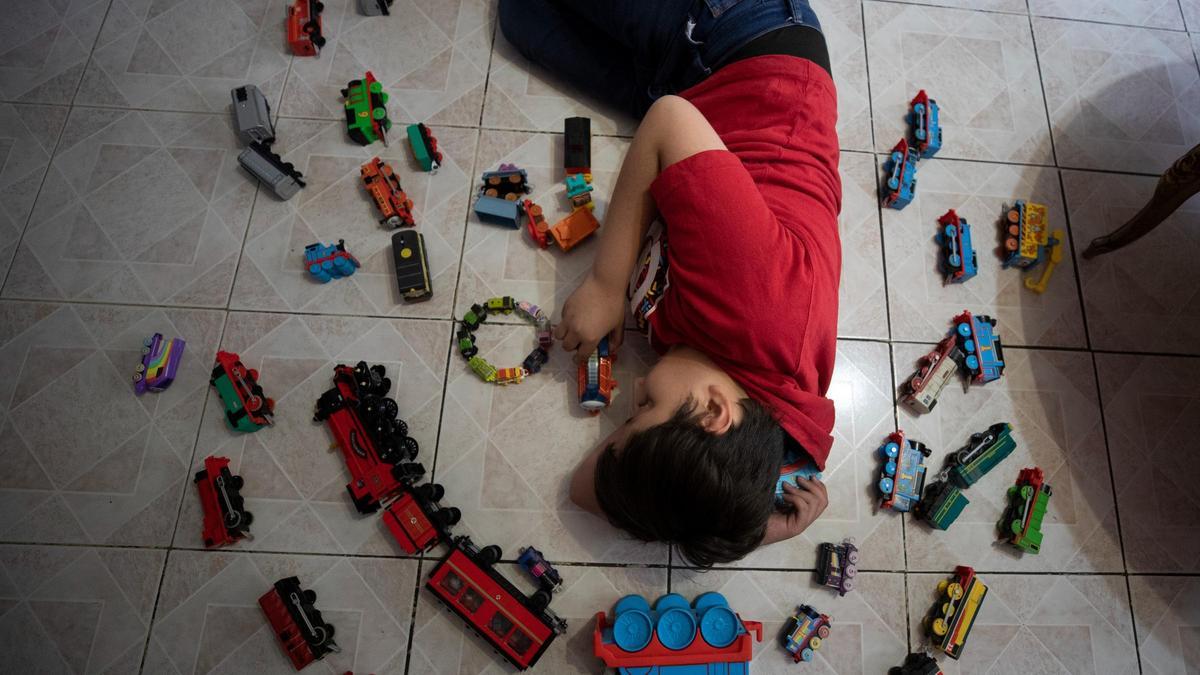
x,y
718,28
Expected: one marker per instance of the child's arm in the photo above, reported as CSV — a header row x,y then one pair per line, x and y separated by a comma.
x,y
808,498
673,129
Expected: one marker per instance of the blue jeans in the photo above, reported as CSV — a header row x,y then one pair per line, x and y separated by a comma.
x,y
630,52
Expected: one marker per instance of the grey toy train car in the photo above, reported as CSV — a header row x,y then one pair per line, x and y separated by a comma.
x,y
252,115
283,178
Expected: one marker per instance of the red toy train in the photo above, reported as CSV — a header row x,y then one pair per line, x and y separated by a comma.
x,y
303,634
304,27
417,521
226,519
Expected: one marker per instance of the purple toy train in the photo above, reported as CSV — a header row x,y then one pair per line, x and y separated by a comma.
x,y
160,361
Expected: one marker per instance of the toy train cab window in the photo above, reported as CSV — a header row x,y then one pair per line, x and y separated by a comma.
x,y
807,629
596,383
226,519
304,27
518,627
837,565
395,208
417,522
926,126
902,478
949,624
1021,524
366,110
901,183
934,372
958,259
983,354
292,613
424,147
247,408
981,454
160,363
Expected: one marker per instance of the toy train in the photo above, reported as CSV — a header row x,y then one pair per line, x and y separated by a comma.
x,y
902,478
416,520
532,561
535,223
926,126
579,191
226,519
159,365
374,442
424,147
958,261
705,636
917,663
806,630
412,265
837,565
366,110
1027,234
252,115
247,408
269,168
395,208
955,611
596,383
983,354
577,226
1021,524
292,613
326,263
981,454
934,372
520,628
577,147
901,184
942,504
499,199
304,27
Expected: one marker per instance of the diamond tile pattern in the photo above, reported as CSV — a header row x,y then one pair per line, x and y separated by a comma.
x,y
123,212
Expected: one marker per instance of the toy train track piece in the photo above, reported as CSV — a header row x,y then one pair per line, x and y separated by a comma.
x,y
934,371
412,265
705,636
926,126
520,628
953,615
942,504
269,168
837,565
807,629
424,147
159,364
375,7
902,478
395,208
981,454
226,519
366,110
577,147
303,634
900,186
532,561
252,115
983,353
1028,500
326,263
958,260
596,383
247,408
304,26
416,520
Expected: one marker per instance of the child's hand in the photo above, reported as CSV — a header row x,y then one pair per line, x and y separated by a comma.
x,y
807,499
592,312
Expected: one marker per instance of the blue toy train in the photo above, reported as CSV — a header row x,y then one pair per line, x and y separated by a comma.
x,y
326,263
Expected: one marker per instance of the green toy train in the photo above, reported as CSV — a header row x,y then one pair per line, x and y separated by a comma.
x,y
366,110
981,454
1021,525
942,504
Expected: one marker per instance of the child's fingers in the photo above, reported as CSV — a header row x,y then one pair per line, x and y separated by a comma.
x,y
586,347
615,338
560,331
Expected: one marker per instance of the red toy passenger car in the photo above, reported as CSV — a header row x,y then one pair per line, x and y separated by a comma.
x,y
303,634
304,27
225,516
395,208
416,520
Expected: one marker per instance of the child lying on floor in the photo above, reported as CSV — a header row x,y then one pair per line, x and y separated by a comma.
x,y
742,167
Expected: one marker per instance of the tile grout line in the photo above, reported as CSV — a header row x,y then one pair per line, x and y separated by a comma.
x,y
1037,59
1030,12
1137,649
412,617
1087,332
887,308
1182,15
162,578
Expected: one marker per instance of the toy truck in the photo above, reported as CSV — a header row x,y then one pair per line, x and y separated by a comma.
x,y
412,265
983,354
806,630
579,191
416,520
837,565
395,208
375,7
958,261
981,454
934,372
159,365
366,110
1026,235
926,127
424,147
518,627
532,561
304,27
1021,524
296,621
247,408
252,115
902,478
279,176
596,383
577,147
226,519
942,504
576,227
705,636
901,184
954,613
326,263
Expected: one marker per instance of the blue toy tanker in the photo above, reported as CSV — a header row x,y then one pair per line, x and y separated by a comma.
x,y
979,342
902,478
958,254
901,184
326,263
926,128
705,637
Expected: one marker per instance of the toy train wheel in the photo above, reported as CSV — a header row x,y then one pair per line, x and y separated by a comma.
x,y
254,403
893,183
388,409
323,634
915,383
852,558
432,491
137,377
450,516
539,601
822,632
1015,526
848,584
886,485
1011,244
806,654
490,555
233,520
1014,216
955,260
939,627
954,590
890,467
409,447
891,450
237,370
963,328
951,231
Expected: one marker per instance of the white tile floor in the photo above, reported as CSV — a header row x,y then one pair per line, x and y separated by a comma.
x,y
122,213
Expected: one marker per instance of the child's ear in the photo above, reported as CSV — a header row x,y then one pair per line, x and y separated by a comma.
x,y
718,411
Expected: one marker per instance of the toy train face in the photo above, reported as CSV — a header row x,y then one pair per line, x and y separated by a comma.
x,y
935,371
246,407
595,380
160,363
304,27
958,254
981,454
901,183
981,347
903,475
927,128
395,208
955,612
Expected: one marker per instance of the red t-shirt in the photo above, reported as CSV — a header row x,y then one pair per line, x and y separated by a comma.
x,y
754,254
